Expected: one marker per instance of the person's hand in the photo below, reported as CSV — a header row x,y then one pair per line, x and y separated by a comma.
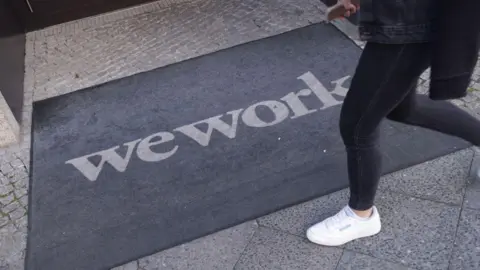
x,y
351,6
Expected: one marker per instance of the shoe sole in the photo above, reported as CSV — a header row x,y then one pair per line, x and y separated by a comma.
x,y
342,243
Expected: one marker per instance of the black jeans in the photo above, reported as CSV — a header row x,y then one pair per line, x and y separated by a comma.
x,y
384,87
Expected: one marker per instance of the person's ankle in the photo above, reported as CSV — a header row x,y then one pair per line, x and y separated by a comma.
x,y
363,213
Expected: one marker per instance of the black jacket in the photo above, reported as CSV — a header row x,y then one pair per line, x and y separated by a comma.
x,y
455,48
452,28
397,21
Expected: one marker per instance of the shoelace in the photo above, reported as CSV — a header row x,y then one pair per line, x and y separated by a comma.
x,y
337,221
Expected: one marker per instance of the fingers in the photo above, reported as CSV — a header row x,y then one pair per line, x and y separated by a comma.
x,y
350,9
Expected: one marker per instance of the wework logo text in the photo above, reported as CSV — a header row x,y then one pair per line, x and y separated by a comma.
x,y
289,106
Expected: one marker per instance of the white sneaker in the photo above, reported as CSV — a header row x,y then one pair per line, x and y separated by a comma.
x,y
343,228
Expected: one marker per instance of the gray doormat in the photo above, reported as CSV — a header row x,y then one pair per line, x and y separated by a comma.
x,y
134,166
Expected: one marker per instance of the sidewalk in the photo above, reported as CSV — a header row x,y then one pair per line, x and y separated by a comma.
x,y
431,212
424,213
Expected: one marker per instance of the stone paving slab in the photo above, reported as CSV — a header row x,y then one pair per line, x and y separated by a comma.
x,y
415,232
218,251
9,128
467,245
442,180
472,195
356,261
12,244
273,249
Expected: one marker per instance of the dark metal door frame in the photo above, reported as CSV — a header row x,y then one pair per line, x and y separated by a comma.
x,y
34,15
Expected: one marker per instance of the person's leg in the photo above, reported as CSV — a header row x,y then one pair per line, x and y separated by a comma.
x,y
442,116
382,80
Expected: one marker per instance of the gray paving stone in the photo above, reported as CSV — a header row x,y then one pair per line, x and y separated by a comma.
x,y
5,189
21,183
426,74
5,168
423,89
471,97
7,230
443,179
19,174
217,251
129,266
472,195
416,233
355,261
4,220
11,248
273,249
466,255
472,198
24,155
21,223
16,164
18,213
3,179
11,207
20,192
458,102
5,200
473,106
295,220
24,201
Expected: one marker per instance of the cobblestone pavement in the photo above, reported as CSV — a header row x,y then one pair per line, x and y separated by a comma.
x,y
80,54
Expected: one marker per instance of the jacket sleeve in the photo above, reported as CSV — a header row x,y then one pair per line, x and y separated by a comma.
x,y
455,48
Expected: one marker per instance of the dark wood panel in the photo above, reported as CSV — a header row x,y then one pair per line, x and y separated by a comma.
x,y
9,23
62,6
12,53
50,12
